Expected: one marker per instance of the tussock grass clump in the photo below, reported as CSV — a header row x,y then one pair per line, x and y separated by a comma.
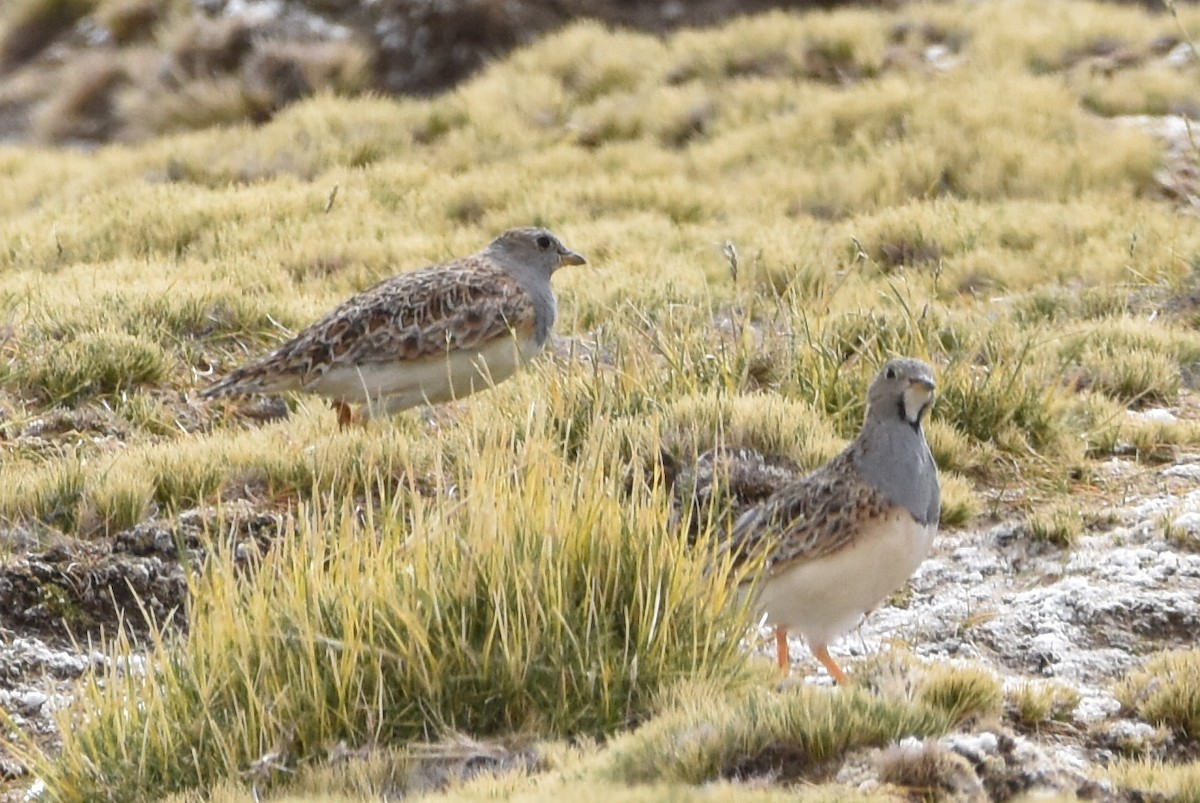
x,y
1185,537
93,364
961,693
960,503
790,734
559,610
1059,524
84,106
1166,691
119,504
1180,782
771,425
1149,441
1070,303
1136,365
1134,377
995,386
1033,706
1155,89
51,492
928,769
1003,403
180,317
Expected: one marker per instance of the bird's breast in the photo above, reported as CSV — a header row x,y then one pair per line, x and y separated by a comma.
x,y
823,598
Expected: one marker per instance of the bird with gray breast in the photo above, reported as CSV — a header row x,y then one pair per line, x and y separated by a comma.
x,y
839,541
438,333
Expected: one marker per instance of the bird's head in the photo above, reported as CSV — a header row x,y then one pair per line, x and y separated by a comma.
x,y
904,387
534,247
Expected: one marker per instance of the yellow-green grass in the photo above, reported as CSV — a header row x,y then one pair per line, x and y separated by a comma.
x,y
1060,523
792,733
460,769
1037,705
1166,691
542,600
1179,782
982,217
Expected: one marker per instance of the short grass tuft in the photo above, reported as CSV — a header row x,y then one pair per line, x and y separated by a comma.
x,y
961,693
789,734
1036,705
1166,691
93,364
1059,524
1179,782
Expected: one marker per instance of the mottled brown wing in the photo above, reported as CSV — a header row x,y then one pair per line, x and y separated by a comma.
x,y
433,311
809,518
461,304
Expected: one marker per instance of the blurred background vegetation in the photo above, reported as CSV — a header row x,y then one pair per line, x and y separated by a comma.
x,y
90,71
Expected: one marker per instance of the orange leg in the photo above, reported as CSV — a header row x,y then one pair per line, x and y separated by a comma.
x,y
827,661
782,654
346,415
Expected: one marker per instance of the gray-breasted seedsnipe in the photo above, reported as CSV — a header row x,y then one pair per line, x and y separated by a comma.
x,y
436,334
850,533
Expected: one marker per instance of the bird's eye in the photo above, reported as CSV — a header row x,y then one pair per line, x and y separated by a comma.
x,y
890,373
543,242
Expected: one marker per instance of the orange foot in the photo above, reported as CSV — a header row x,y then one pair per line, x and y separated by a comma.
x,y
827,661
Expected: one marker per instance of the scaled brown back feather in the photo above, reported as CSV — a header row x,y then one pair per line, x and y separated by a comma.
x,y
423,314
821,512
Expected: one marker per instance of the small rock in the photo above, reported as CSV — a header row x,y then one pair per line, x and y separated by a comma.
x,y
1186,471
1157,415
931,768
1187,522
1116,467
1128,737
974,747
31,702
942,58
37,790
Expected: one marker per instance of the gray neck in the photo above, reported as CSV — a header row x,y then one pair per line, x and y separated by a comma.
x,y
534,280
895,459
545,307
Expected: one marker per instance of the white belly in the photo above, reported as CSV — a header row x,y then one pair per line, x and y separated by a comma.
x,y
387,388
824,598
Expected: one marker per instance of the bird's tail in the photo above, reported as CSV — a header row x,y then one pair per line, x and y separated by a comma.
x,y
239,382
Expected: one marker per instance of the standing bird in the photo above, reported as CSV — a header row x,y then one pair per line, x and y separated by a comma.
x,y
439,333
841,539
